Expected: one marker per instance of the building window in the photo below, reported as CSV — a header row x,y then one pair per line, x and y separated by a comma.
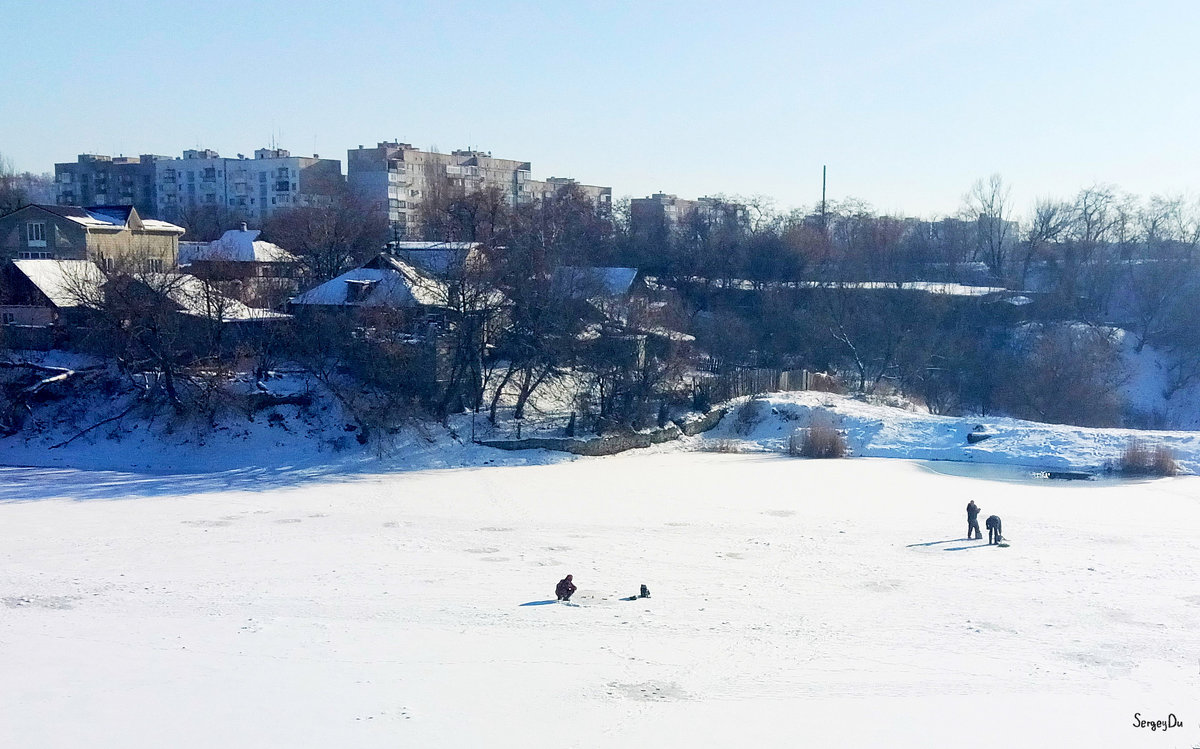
x,y
36,233
30,255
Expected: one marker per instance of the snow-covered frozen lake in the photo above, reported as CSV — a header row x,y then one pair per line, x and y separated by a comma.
x,y
794,603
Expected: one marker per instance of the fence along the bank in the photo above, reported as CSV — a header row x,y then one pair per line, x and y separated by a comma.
x,y
739,382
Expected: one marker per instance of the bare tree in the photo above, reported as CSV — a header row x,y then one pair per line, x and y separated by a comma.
x,y
449,212
1069,374
987,204
1049,225
205,222
21,189
1166,271
329,238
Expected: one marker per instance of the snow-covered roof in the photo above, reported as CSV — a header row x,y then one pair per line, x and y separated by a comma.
x,y
118,215
66,283
391,283
428,246
84,217
579,281
153,224
671,335
112,217
197,299
235,245
439,262
930,287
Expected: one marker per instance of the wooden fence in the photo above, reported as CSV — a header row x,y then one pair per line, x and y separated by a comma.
x,y
739,382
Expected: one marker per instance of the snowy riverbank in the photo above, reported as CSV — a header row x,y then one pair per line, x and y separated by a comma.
x,y
320,441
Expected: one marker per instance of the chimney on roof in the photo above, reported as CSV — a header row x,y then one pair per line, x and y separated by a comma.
x,y
244,226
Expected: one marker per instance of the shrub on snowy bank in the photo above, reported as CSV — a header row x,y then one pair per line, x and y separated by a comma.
x,y
748,416
724,446
821,440
1143,459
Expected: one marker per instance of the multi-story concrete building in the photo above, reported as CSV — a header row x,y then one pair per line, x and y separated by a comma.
x,y
95,179
660,214
166,187
397,178
542,190
253,189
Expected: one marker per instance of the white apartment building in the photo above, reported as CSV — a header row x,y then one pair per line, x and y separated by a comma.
x,y
254,188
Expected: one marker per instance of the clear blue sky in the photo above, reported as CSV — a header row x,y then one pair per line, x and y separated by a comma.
x,y
907,102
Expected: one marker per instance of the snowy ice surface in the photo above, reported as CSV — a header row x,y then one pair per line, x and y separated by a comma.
x,y
794,603
273,584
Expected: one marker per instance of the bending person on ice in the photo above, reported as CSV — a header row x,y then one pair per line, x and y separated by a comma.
x,y
564,589
993,526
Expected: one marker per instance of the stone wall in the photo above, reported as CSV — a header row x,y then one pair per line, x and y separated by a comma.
x,y
703,423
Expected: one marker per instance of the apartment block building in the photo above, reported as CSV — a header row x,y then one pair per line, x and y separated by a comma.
x,y
542,190
254,188
397,178
167,187
95,179
661,214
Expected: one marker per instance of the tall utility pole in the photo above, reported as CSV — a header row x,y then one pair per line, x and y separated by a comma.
x,y
822,197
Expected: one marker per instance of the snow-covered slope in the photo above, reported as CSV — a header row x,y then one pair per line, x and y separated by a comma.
x,y
320,439
317,439
885,432
1144,391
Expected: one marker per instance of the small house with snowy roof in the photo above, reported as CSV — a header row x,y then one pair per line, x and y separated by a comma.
x,y
238,254
385,282
106,235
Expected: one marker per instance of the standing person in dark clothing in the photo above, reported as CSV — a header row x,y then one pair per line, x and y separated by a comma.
x,y
993,526
564,589
973,521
